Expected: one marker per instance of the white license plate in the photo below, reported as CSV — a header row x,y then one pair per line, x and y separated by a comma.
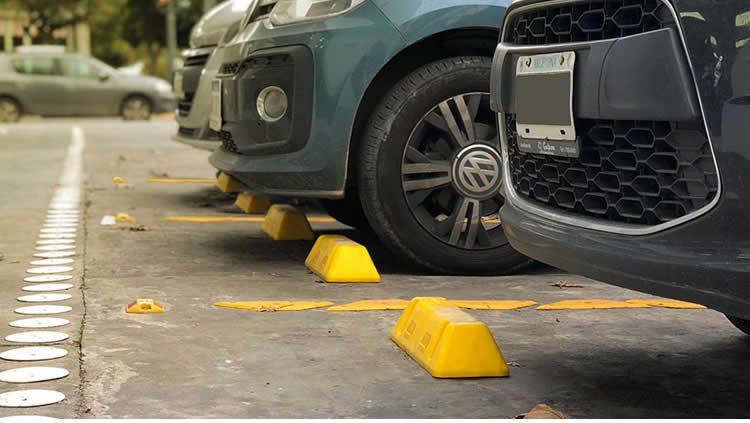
x,y
215,118
179,92
544,102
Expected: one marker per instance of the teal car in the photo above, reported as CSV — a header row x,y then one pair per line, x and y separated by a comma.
x,y
380,108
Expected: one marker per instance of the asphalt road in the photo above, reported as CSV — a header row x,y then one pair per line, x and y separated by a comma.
x,y
199,360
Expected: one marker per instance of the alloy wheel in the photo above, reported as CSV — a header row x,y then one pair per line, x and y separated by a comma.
x,y
9,111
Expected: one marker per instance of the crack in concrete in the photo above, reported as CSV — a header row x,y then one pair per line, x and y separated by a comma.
x,y
83,409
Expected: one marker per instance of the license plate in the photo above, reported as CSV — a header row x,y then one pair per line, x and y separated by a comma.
x,y
544,104
179,92
215,119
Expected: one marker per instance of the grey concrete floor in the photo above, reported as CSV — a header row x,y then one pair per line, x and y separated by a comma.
x,y
198,360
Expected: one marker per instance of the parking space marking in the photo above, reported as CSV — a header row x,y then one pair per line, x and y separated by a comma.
x,y
47,287
30,398
238,219
589,305
32,374
47,278
51,262
39,323
41,353
372,305
275,305
49,269
43,309
183,180
43,298
492,304
667,304
37,337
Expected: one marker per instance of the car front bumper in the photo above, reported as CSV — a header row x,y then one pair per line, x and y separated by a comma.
x,y
325,67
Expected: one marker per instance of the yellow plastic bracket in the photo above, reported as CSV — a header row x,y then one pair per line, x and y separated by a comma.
x,y
336,258
285,223
253,204
447,341
145,306
228,184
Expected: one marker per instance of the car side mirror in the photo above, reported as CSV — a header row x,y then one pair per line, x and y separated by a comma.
x,y
103,76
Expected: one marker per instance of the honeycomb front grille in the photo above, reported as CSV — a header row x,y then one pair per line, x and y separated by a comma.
x,y
639,172
230,68
587,21
227,142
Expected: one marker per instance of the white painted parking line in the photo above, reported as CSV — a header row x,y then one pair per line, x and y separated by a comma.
x,y
57,230
55,241
60,225
56,247
43,309
39,323
55,236
47,287
33,374
37,336
40,353
49,269
47,278
51,262
55,254
30,398
43,298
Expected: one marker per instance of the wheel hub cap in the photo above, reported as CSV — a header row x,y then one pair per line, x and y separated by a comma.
x,y
476,172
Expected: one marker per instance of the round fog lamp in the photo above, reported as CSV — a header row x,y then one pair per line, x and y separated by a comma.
x,y
272,104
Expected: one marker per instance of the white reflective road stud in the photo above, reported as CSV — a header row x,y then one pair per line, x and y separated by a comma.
x,y
55,241
56,247
30,398
46,270
32,374
47,287
33,354
43,298
60,225
39,323
37,336
43,309
57,230
47,278
48,236
51,262
55,254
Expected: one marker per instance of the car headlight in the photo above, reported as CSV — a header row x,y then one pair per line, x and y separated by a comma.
x,y
163,87
293,11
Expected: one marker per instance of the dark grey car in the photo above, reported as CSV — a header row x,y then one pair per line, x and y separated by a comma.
x,y
59,84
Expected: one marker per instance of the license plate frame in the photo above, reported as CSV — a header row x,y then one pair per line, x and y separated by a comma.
x,y
215,118
544,104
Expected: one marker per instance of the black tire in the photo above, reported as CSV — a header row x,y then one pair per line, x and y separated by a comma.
x,y
741,324
398,119
347,210
10,110
136,107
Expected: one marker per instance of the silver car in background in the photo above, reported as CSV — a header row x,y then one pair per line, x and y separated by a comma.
x,y
192,83
59,84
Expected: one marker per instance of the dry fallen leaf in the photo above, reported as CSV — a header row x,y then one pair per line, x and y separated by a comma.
x,y
562,284
543,411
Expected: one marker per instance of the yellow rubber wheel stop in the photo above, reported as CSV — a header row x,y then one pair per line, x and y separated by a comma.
x,y
228,184
285,223
253,204
145,306
336,258
447,341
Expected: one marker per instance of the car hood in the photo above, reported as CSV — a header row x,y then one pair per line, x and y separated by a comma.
x,y
141,81
210,28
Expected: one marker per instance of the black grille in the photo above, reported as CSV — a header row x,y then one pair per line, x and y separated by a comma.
x,y
230,68
227,142
587,21
628,171
185,104
199,60
187,132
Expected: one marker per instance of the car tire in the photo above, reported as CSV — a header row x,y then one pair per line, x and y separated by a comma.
x,y
347,210
10,110
136,107
741,324
406,146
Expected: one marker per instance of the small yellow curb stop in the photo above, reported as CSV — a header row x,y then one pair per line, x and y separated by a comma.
x,y
228,184
123,217
447,341
285,223
252,204
145,306
336,258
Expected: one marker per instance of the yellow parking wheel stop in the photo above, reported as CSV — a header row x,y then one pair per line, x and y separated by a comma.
x,y
228,184
336,258
123,217
145,306
447,341
286,223
253,204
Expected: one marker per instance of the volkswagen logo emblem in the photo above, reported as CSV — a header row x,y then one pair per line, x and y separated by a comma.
x,y
477,171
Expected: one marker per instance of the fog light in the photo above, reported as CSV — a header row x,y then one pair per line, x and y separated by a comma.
x,y
272,104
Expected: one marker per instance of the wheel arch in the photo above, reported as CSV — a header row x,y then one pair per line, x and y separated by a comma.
x,y
14,99
133,94
452,43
